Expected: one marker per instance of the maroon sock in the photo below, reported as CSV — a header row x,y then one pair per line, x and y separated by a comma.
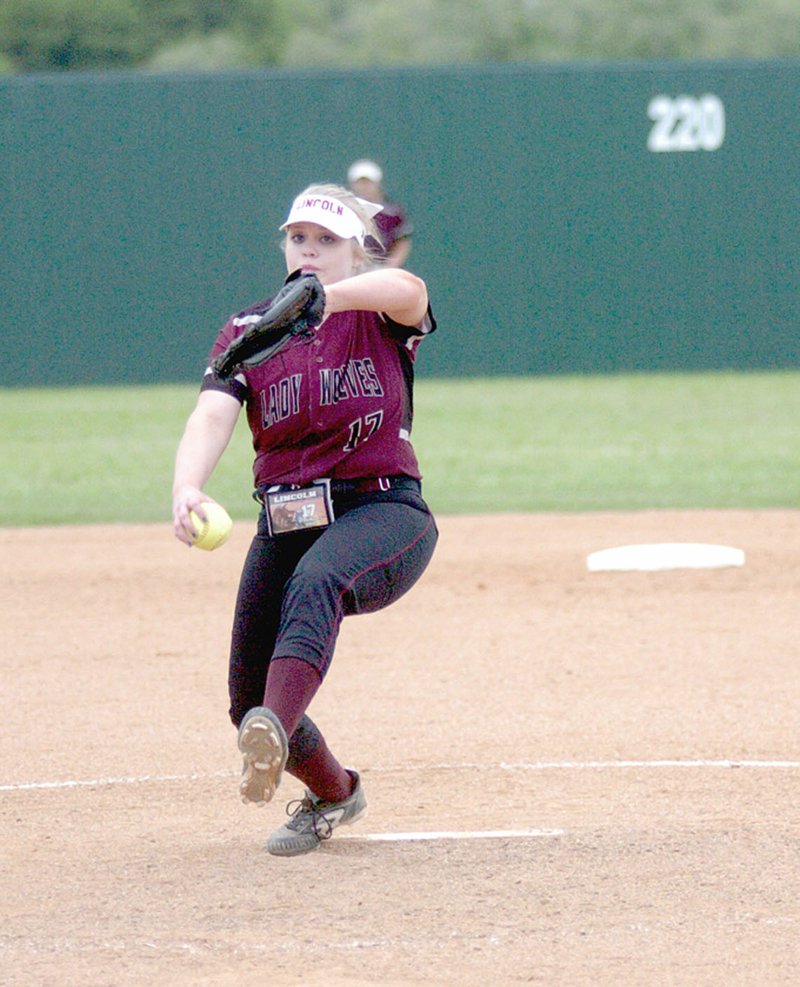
x,y
311,762
291,685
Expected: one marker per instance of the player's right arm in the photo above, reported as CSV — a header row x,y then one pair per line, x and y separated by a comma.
x,y
206,436
397,293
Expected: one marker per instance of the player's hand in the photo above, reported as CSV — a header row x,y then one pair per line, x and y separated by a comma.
x,y
186,499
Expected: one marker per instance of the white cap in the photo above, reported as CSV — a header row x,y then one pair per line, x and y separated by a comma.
x,y
365,169
331,214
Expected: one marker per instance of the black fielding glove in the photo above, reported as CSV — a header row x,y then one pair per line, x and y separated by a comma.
x,y
298,307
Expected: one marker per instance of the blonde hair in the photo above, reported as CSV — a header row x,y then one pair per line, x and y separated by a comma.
x,y
371,254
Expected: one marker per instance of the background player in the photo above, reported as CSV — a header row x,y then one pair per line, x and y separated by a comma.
x,y
365,178
335,405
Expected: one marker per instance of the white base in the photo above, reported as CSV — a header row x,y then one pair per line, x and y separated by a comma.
x,y
665,555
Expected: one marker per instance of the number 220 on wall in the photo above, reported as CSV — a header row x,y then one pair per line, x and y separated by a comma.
x,y
686,123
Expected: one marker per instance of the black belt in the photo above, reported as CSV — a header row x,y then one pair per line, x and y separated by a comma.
x,y
359,485
372,484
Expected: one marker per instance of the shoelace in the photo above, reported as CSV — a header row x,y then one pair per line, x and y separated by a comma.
x,y
319,822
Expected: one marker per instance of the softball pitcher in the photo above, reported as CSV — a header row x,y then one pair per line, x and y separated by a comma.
x,y
343,528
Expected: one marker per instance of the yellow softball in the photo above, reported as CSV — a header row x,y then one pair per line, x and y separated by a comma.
x,y
214,531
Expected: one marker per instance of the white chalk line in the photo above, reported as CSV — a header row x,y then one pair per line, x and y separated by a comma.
x,y
406,769
666,763
106,782
61,945
482,834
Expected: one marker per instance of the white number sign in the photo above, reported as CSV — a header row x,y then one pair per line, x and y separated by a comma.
x,y
684,123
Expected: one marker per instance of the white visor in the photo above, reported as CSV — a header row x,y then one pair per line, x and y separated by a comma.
x,y
329,213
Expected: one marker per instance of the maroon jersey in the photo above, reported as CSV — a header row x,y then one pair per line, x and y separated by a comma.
x,y
335,403
392,223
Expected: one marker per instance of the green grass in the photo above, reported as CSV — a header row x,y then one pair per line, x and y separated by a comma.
x,y
613,442
630,442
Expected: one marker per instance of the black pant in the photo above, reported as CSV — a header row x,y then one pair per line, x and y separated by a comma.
x,y
296,588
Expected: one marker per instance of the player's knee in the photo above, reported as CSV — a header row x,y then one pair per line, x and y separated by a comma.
x,y
313,581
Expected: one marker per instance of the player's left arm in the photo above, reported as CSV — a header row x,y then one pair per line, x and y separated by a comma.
x,y
400,295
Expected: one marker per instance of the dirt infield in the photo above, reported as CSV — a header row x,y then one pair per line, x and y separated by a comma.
x,y
607,766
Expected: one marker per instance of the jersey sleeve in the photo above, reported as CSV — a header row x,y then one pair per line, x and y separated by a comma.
x,y
235,385
403,333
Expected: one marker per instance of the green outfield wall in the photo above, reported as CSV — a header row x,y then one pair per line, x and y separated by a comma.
x,y
570,219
